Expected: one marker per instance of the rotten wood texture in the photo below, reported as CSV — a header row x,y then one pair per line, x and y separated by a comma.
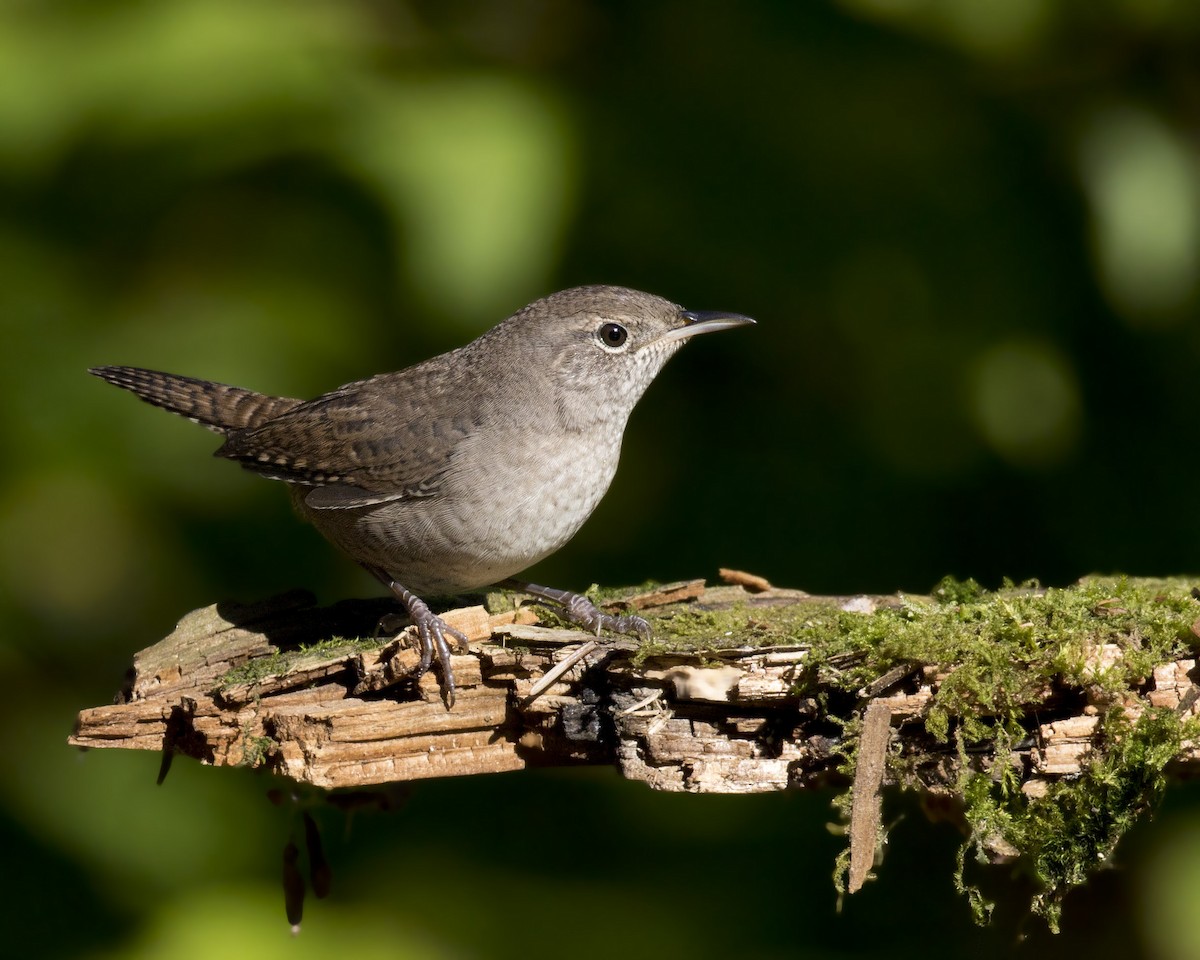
x,y
229,686
866,805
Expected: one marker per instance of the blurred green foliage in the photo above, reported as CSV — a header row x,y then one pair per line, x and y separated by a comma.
x,y
969,230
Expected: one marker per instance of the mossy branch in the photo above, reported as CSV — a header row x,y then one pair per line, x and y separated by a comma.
x,y
1051,718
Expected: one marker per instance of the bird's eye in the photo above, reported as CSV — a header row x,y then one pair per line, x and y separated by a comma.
x,y
612,335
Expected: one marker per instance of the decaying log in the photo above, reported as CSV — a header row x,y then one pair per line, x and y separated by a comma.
x,y
272,684
1018,706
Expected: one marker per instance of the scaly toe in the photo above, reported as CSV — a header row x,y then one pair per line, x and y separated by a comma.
x,y
580,610
433,630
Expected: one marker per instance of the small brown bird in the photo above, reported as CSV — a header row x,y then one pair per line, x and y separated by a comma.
x,y
463,470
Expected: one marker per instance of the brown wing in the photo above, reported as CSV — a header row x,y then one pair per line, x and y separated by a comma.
x,y
366,442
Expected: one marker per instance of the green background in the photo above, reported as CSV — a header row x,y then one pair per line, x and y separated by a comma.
x,y
969,230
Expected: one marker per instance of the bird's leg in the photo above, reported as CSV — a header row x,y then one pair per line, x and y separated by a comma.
x,y
581,611
431,629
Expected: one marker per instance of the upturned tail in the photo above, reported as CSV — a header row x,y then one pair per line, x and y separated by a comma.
x,y
218,406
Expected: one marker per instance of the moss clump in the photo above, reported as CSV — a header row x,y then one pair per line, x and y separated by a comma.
x,y
999,655
738,626
255,751
284,661
1001,650
1075,827
501,601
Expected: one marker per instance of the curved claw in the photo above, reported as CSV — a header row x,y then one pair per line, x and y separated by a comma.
x,y
432,630
431,633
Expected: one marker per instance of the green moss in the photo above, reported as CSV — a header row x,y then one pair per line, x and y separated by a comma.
x,y
1075,827
256,750
601,596
999,655
501,601
740,625
950,590
1001,649
278,663
255,669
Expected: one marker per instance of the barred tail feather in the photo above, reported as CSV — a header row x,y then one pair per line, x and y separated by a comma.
x,y
217,406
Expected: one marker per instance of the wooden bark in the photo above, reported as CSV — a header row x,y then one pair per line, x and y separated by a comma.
x,y
724,719
341,716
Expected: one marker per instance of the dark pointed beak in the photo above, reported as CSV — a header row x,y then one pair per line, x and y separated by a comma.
x,y
704,321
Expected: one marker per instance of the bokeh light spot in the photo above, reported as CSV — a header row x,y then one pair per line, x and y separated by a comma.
x,y
1025,401
478,176
1144,190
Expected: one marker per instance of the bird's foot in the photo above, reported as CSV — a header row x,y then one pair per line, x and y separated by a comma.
x,y
583,613
580,610
432,632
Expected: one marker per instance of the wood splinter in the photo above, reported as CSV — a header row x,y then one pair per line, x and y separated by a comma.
x,y
866,823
